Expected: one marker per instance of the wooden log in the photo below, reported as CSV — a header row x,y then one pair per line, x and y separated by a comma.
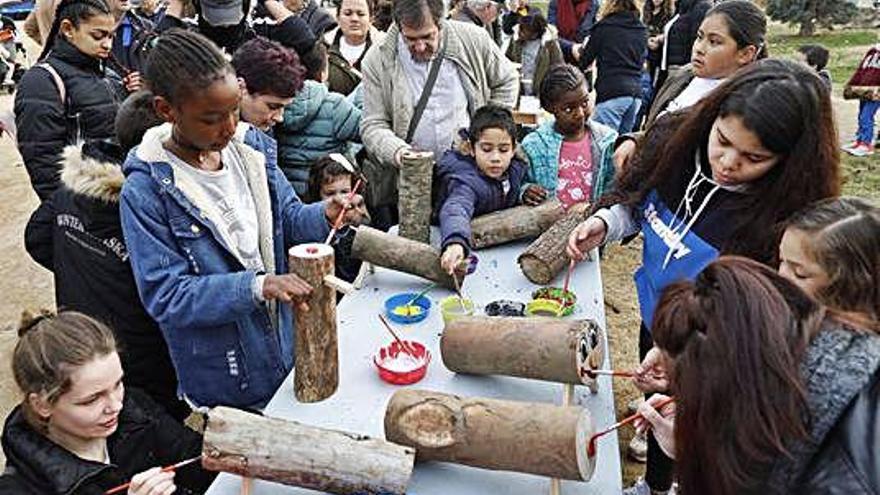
x,y
513,224
545,257
294,454
525,437
546,349
396,253
414,195
316,374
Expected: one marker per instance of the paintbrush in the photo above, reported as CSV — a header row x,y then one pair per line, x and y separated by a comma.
x,y
625,374
591,446
409,304
403,345
165,469
565,289
338,222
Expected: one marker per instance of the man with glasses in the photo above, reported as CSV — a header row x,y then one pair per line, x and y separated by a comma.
x,y
460,66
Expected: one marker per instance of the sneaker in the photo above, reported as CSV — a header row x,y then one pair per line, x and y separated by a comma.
x,y
642,488
638,448
849,146
861,149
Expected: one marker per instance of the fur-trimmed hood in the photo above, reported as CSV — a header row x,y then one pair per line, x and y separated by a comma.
x,y
91,176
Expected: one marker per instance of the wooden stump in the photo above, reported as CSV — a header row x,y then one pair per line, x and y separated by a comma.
x,y
545,257
525,437
539,348
316,373
300,455
414,195
396,253
513,224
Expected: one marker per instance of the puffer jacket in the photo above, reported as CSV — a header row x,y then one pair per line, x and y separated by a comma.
x,y
46,124
842,376
228,347
541,149
77,234
318,122
465,193
145,438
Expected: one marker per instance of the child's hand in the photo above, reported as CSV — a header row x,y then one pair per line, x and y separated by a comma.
x,y
587,235
662,422
534,195
452,257
651,373
352,208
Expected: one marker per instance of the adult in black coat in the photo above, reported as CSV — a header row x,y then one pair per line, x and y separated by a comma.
x,y
679,42
70,94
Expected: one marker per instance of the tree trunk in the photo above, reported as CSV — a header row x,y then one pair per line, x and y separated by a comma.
x,y
808,27
545,257
538,348
396,253
294,454
525,437
414,199
514,223
316,374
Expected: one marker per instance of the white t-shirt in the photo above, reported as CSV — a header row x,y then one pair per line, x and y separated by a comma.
x,y
698,88
230,193
351,52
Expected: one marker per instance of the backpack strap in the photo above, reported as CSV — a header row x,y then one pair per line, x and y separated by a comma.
x,y
56,77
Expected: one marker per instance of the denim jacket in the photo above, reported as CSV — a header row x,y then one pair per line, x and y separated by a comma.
x,y
227,346
541,149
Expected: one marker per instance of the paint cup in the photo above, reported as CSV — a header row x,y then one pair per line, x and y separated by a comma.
x,y
396,310
544,307
566,298
451,308
399,368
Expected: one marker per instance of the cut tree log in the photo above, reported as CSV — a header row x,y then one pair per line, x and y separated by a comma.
x,y
525,437
294,454
397,253
512,224
414,195
546,257
546,349
316,374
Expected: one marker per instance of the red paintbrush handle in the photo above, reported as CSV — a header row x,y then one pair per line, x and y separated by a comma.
x,y
591,447
350,195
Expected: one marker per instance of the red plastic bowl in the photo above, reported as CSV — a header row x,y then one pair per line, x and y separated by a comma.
x,y
402,377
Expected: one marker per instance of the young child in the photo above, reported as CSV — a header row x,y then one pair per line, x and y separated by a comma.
x,y
830,251
701,185
569,158
816,56
333,175
317,123
77,235
864,85
481,178
535,46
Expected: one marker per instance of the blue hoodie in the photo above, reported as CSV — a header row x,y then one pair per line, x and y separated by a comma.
x,y
227,346
466,193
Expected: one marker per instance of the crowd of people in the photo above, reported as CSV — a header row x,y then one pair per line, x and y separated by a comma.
x,y
178,151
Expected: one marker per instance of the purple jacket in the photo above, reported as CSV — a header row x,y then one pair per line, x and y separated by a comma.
x,y
465,193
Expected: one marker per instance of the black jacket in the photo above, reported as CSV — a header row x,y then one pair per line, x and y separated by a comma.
x,y
842,454
77,235
46,124
683,32
145,438
618,43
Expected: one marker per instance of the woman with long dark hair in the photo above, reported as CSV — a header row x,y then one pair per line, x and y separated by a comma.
x,y
719,180
772,395
70,95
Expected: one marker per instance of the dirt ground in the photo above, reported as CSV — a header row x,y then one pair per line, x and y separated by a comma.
x,y
25,285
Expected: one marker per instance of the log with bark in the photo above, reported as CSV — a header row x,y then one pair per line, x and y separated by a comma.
x,y
546,257
513,224
316,374
526,437
295,454
414,195
397,253
546,349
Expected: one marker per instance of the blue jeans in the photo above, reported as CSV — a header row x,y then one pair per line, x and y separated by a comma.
x,y
867,110
618,113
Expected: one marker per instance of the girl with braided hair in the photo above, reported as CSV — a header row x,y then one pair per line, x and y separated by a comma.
x,y
78,430
71,95
208,218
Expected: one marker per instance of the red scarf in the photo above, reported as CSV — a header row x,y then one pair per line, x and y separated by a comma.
x,y
569,15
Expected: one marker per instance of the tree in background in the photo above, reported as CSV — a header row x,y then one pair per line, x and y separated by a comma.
x,y
809,13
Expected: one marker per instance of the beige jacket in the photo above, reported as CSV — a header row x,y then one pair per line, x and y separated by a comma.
x,y
486,73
